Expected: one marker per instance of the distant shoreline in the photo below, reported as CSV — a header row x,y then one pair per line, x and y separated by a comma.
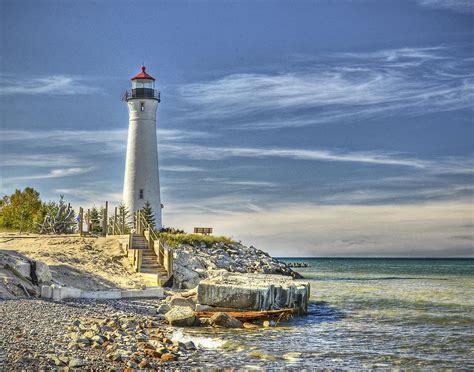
x,y
370,258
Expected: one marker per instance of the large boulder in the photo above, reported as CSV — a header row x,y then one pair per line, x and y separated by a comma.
x,y
25,267
181,301
253,292
181,316
225,320
188,269
42,272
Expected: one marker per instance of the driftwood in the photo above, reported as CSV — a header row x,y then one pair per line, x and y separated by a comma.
x,y
246,316
63,222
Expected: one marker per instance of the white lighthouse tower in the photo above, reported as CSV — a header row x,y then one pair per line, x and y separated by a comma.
x,y
142,180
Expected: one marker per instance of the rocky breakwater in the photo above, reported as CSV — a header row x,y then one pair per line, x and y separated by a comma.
x,y
192,263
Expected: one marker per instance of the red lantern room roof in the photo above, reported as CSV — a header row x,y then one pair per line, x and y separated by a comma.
x,y
143,75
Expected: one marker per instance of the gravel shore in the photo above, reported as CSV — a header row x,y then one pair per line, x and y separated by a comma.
x,y
38,334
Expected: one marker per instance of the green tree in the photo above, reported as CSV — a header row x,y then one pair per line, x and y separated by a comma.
x,y
124,220
19,210
148,214
95,220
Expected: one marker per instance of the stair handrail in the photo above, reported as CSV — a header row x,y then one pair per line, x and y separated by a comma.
x,y
165,251
114,227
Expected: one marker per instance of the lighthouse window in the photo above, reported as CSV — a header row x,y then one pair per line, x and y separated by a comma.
x,y
141,194
142,106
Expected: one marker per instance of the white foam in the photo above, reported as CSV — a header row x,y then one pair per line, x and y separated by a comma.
x,y
200,342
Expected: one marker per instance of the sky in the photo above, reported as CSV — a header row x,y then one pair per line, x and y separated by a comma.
x,y
304,128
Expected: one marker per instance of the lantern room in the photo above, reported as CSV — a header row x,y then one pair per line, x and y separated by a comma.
x,y
143,86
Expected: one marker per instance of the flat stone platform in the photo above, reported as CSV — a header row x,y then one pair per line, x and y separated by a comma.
x,y
252,292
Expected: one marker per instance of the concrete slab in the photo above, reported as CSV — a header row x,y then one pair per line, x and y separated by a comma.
x,y
253,292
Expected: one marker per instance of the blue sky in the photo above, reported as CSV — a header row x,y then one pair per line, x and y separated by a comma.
x,y
324,127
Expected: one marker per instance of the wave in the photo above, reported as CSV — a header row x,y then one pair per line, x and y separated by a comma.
x,y
199,342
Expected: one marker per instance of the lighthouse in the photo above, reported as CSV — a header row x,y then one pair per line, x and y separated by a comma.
x,y
142,180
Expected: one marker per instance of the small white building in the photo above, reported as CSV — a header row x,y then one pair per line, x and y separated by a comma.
x,y
142,180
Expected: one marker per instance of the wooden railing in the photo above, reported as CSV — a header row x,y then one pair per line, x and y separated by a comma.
x,y
163,252
134,255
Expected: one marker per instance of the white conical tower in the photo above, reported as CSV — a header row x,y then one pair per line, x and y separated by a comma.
x,y
142,180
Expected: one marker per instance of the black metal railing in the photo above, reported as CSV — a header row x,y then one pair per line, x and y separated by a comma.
x,y
142,93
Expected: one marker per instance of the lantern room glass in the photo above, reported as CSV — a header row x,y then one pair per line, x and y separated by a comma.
x,y
143,83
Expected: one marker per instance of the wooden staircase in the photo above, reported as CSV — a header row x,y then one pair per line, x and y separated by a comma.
x,y
147,262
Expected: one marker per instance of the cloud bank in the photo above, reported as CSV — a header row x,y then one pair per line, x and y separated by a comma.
x,y
355,86
47,85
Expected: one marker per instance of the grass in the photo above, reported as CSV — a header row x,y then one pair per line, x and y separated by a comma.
x,y
193,239
8,230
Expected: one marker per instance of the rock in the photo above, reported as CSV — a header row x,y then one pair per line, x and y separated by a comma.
x,y
76,362
181,316
168,357
204,322
163,309
116,357
189,345
98,339
180,301
269,323
57,361
83,341
224,320
153,353
250,325
191,292
131,364
143,364
42,272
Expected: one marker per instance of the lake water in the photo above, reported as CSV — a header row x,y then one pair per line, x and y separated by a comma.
x,y
364,313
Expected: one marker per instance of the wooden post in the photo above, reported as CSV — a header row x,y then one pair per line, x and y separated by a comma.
x,y
89,230
115,221
138,224
81,221
105,222
122,212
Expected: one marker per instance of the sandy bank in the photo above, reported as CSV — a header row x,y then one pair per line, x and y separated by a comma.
x,y
85,263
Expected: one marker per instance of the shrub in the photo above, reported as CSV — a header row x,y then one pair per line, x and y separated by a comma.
x,y
192,239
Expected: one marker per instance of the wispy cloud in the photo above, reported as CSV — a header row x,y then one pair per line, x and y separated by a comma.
x,y
406,81
181,168
388,195
90,193
115,141
38,160
215,153
243,183
463,6
50,85
54,173
116,137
